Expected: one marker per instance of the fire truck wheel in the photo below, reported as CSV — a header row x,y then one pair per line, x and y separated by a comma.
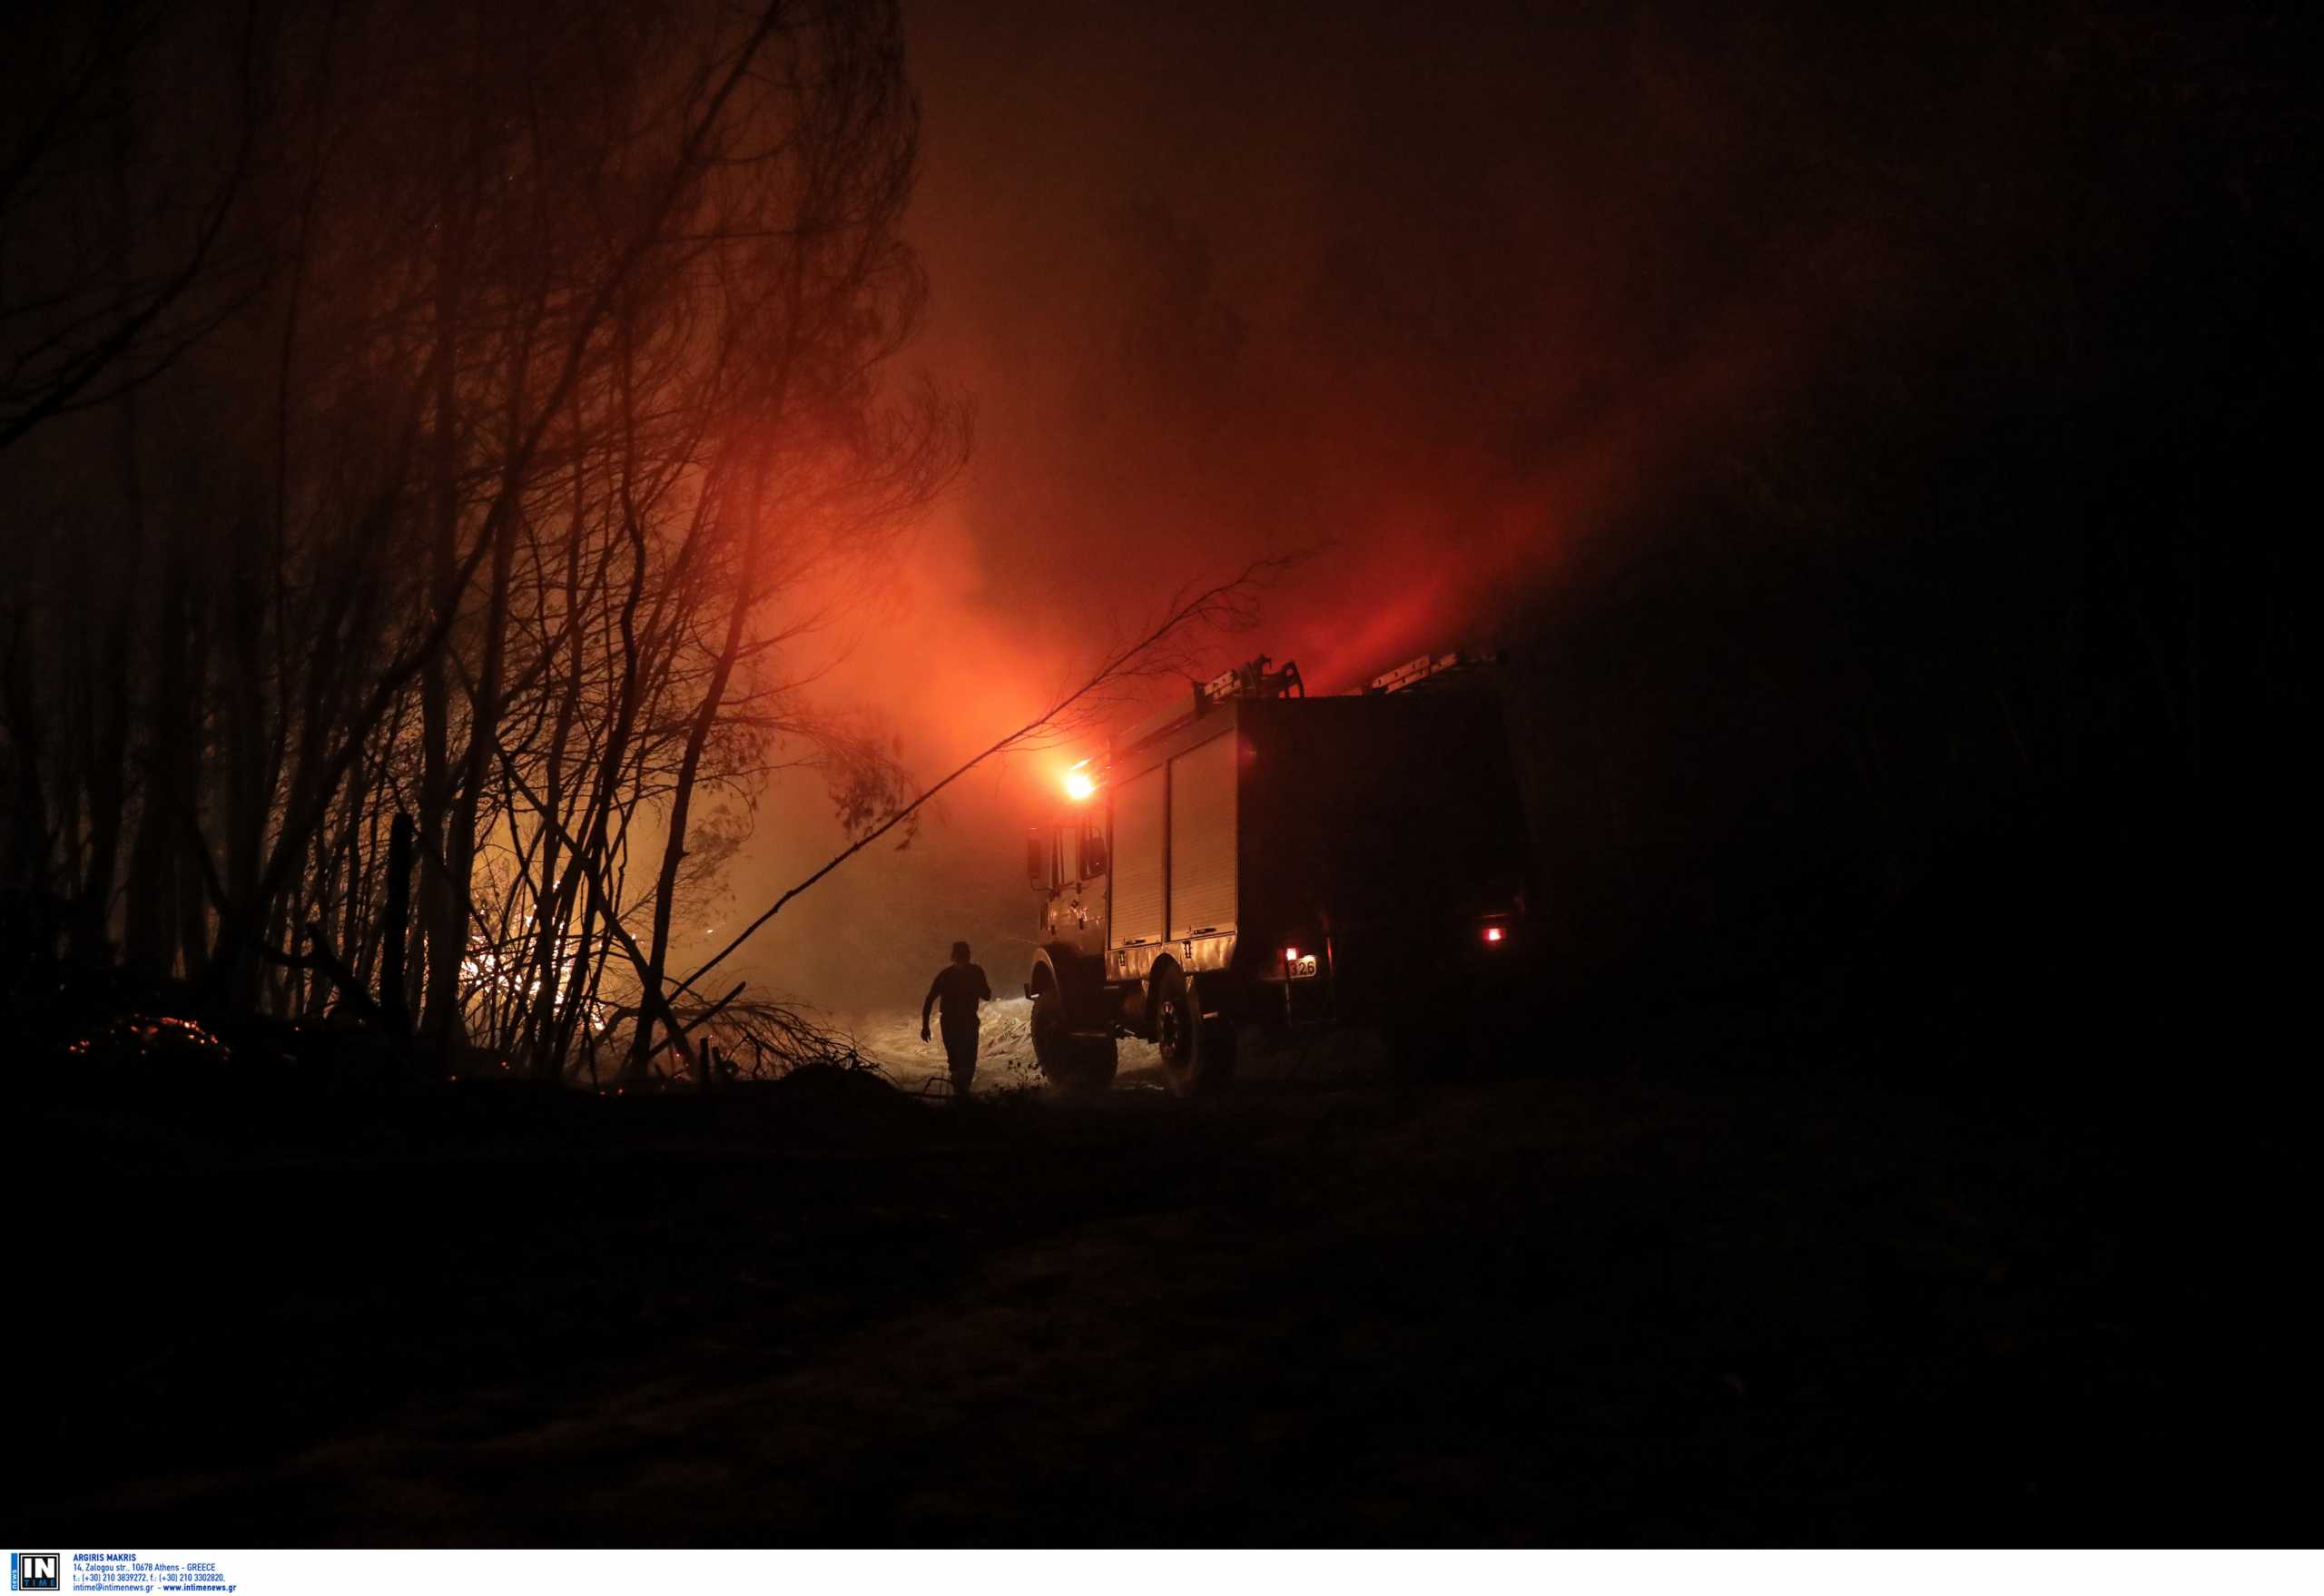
x,y
1197,1054
1069,1062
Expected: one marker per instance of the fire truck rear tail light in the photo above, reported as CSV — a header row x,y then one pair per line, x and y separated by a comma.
x,y
1291,955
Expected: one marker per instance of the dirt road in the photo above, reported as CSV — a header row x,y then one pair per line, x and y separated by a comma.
x,y
891,1039
1553,1311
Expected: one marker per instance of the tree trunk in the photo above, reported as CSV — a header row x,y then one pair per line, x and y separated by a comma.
x,y
395,1000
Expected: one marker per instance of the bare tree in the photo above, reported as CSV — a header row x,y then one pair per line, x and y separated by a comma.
x,y
493,508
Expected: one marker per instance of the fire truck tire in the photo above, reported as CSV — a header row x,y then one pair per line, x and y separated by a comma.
x,y
1197,1054
1068,1062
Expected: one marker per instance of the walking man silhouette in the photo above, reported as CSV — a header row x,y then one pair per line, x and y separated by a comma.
x,y
961,986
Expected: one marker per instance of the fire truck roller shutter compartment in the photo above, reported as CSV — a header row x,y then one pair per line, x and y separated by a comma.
x,y
1137,858
1202,839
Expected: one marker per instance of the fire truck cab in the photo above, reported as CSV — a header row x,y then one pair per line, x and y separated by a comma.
x,y
1255,856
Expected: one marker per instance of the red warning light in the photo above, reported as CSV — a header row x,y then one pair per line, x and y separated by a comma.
x,y
1492,933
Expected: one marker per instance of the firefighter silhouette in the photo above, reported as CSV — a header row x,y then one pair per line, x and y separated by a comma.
x,y
959,986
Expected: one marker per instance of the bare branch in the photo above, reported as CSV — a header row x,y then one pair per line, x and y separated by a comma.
x,y
1226,604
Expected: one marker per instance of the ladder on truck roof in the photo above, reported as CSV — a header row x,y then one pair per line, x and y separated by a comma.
x,y
1253,679
1429,669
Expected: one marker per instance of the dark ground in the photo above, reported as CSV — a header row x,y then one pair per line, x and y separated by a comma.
x,y
1681,1300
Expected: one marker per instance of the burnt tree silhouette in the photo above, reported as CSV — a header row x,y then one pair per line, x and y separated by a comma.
x,y
528,368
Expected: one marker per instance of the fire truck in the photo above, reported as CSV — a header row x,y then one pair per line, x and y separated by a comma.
x,y
1255,856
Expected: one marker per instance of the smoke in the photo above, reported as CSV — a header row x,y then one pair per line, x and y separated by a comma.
x,y
1440,297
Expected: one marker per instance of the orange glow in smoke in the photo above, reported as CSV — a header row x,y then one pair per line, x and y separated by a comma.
x,y
1080,783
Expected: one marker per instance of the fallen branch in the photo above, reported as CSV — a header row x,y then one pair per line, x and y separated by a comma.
x,y
703,1018
326,958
